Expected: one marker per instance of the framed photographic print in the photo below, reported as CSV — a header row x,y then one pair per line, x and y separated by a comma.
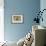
x,y
17,19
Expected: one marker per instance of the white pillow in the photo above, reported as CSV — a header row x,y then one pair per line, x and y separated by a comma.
x,y
21,42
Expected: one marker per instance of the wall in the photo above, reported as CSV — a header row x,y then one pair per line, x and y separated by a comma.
x,y
1,21
13,32
42,6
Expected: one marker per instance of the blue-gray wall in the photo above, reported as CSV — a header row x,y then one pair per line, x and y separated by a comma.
x,y
28,8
